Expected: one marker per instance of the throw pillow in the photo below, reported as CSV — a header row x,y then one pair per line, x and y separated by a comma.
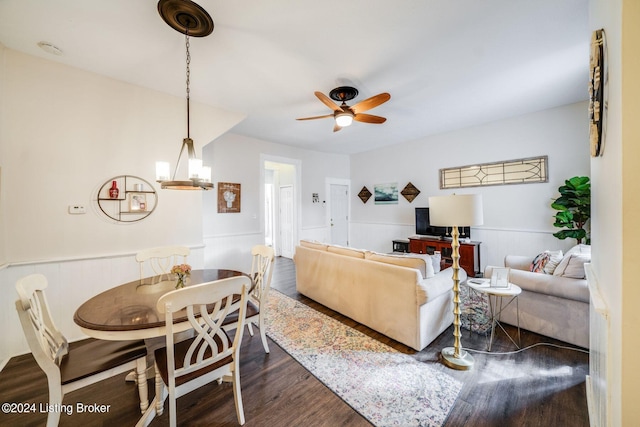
x,y
572,266
539,262
554,259
436,258
580,249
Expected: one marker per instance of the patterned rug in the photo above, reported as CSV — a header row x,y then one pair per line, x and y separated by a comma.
x,y
386,387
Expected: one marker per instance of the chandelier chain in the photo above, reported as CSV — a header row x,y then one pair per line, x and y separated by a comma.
x,y
188,60
186,36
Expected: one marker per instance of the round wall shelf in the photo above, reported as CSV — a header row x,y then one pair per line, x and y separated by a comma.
x,y
134,200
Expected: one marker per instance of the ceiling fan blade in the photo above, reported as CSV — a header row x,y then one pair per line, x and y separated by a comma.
x,y
315,117
327,101
370,103
336,128
369,118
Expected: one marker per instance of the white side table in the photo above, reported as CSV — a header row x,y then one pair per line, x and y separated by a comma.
x,y
495,297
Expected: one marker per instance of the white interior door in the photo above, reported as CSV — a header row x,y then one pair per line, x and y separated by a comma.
x,y
339,214
286,221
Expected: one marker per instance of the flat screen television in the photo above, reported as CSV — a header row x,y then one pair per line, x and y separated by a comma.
x,y
424,227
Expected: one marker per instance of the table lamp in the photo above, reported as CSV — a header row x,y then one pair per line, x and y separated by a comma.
x,y
453,211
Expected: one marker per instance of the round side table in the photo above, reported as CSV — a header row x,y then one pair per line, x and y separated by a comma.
x,y
496,303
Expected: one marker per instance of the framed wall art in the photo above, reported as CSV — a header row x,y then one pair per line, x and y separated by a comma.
x,y
598,85
410,192
364,194
229,195
386,194
137,202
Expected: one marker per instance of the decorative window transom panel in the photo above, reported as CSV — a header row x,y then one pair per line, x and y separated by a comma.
x,y
520,171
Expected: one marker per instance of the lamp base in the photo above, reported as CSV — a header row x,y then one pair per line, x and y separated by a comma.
x,y
462,363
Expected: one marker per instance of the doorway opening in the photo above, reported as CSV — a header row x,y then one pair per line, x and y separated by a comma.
x,y
281,204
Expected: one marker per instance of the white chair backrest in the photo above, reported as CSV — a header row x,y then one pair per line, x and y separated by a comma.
x,y
261,270
46,342
205,321
160,260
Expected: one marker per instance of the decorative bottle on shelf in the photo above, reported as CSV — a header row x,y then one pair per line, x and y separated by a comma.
x,y
113,191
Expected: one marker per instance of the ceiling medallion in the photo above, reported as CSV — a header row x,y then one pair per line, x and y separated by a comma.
x,y
183,15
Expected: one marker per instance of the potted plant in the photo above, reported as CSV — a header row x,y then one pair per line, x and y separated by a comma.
x,y
574,206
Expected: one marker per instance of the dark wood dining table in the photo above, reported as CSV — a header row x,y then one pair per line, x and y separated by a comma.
x,y
129,312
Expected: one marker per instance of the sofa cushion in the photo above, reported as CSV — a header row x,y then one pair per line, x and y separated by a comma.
x,y
314,245
419,262
580,249
342,250
572,265
554,259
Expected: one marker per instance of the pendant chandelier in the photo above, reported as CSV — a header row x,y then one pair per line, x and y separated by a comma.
x,y
189,19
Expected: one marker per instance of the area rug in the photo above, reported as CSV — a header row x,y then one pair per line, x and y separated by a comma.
x,y
385,386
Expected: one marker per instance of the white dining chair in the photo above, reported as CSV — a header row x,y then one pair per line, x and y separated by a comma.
x,y
261,272
69,368
159,261
210,354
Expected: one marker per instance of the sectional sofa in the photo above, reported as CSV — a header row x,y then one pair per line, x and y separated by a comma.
x,y
405,297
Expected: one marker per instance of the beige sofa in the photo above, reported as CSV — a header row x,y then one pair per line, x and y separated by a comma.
x,y
553,305
401,297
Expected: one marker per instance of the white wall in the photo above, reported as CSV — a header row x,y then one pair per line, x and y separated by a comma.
x,y
616,206
64,132
236,158
3,235
560,133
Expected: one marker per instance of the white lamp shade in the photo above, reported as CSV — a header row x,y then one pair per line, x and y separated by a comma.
x,y
163,169
456,210
344,119
195,166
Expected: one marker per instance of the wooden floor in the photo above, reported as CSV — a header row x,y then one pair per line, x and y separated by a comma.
x,y
543,386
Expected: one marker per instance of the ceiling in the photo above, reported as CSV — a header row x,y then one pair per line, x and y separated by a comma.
x,y
446,64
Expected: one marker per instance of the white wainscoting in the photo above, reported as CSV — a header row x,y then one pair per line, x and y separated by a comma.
x,y
378,237
71,282
231,251
318,234
496,242
597,399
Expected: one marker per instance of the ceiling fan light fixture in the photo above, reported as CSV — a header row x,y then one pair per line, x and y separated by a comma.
x,y
344,119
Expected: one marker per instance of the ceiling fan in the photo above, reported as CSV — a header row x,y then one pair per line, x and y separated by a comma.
x,y
343,114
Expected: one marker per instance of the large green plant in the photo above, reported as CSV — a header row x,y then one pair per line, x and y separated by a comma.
x,y
574,206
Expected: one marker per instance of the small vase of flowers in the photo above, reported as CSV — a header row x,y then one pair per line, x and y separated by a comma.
x,y
182,271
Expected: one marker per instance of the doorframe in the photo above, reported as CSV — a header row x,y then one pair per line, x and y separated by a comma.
x,y
297,192
327,186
